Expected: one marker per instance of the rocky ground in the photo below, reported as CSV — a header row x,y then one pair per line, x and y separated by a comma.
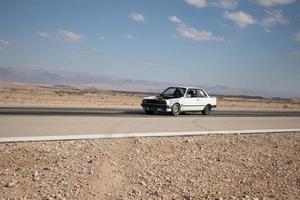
x,y
205,167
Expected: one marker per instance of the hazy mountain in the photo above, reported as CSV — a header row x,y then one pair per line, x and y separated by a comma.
x,y
79,79
223,90
55,77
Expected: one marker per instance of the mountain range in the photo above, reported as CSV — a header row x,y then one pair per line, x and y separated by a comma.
x,y
80,79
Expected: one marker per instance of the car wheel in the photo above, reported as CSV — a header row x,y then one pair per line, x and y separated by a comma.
x,y
206,110
176,109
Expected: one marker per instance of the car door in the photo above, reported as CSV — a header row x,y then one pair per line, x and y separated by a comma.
x,y
201,99
192,101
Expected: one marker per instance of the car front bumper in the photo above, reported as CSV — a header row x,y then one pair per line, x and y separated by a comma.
x,y
156,107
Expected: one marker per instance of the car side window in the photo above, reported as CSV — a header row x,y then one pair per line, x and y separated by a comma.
x,y
201,94
191,93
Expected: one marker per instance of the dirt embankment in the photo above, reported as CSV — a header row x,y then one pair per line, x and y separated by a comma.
x,y
206,167
34,95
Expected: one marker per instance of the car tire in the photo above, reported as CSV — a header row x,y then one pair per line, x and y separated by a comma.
x,y
175,109
206,110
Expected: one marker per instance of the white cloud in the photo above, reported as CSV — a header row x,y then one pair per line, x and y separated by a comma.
x,y
4,44
269,3
226,4
129,37
230,4
175,19
78,56
268,30
174,36
274,17
148,64
68,36
295,53
44,35
241,18
197,3
192,33
62,35
137,17
82,54
75,57
297,36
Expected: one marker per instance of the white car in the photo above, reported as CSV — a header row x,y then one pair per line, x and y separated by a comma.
x,y
180,99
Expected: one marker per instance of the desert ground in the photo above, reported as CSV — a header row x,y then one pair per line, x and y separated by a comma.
x,y
17,94
253,166
207,167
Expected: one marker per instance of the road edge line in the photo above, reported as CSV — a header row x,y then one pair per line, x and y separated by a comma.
x,y
132,135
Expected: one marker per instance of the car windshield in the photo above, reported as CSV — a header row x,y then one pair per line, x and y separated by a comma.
x,y
173,92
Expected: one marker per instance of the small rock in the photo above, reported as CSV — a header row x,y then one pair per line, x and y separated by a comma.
x,y
289,162
35,176
10,184
186,196
187,141
113,163
143,183
18,169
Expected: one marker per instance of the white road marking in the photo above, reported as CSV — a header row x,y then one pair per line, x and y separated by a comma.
x,y
130,135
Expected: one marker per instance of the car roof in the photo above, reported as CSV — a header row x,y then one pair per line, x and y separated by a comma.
x,y
187,87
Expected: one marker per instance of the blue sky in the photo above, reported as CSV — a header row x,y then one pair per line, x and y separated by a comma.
x,y
251,44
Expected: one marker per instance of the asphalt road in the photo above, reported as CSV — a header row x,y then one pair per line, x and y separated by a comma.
x,y
134,112
87,121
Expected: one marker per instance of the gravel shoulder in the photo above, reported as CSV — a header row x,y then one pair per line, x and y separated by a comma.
x,y
258,166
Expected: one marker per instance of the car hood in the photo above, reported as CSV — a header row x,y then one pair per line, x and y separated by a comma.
x,y
159,98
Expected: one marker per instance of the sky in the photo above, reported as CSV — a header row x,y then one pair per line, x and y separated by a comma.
x,y
252,44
